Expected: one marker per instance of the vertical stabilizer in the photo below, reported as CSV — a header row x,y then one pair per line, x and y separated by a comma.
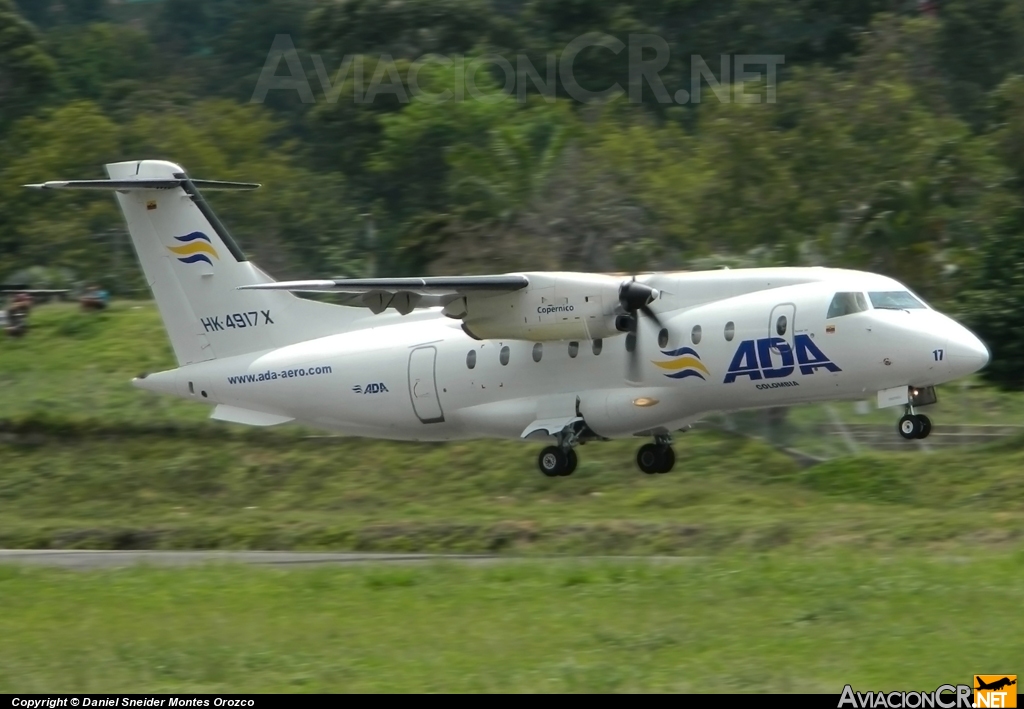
x,y
194,268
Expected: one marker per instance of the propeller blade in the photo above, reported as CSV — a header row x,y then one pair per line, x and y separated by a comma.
x,y
633,354
646,310
633,296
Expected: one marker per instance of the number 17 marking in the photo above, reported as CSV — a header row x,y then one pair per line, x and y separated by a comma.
x,y
938,354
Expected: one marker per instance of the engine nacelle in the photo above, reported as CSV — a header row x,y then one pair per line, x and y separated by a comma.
x,y
627,412
555,306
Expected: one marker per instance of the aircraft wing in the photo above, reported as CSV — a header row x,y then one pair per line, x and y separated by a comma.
x,y
403,294
438,285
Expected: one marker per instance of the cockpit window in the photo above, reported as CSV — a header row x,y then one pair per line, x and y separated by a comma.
x,y
847,304
895,300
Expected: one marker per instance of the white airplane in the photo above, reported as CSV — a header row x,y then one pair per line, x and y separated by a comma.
x,y
567,358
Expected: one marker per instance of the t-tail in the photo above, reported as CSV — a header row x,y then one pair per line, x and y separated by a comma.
x,y
194,268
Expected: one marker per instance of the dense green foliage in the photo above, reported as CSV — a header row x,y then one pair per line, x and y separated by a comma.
x,y
892,141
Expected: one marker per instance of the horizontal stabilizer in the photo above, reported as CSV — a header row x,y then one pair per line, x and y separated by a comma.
x,y
233,414
141,184
438,285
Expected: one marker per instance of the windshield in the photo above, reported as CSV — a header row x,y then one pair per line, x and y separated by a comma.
x,y
895,300
846,304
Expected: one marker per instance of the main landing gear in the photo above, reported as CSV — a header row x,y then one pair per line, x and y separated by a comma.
x,y
556,461
913,425
656,458
560,460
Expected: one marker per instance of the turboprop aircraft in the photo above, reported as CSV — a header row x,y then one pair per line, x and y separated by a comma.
x,y
565,358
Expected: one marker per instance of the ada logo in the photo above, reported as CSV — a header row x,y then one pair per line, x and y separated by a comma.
x,y
372,388
995,691
195,248
773,358
685,363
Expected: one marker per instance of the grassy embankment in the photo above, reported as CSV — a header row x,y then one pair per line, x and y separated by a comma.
x,y
96,463
777,622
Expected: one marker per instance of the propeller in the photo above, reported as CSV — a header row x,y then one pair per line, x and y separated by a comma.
x,y
635,298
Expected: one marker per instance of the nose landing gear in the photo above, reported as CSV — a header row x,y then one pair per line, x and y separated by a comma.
x,y
914,426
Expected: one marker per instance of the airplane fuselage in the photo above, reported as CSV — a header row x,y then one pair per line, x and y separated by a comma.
x,y
732,340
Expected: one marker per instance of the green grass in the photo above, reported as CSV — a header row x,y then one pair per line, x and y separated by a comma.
x,y
204,488
776,623
81,364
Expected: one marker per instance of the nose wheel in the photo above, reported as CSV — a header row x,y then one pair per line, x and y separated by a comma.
x,y
915,426
655,458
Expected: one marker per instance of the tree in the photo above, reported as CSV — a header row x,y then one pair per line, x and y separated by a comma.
x,y
102,61
184,26
405,30
50,12
72,141
471,161
982,42
26,70
994,305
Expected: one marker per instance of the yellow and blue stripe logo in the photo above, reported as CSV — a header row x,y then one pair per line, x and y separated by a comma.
x,y
685,363
195,247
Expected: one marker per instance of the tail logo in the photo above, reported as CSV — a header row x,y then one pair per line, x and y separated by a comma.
x,y
685,363
195,247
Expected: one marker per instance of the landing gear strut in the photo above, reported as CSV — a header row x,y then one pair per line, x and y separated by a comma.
x,y
656,458
913,425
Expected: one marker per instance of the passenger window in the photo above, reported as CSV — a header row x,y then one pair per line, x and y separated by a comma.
x,y
574,349
503,357
471,359
630,341
598,345
780,325
663,338
847,304
538,352
730,331
695,335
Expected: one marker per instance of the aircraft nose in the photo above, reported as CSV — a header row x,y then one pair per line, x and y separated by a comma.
x,y
967,353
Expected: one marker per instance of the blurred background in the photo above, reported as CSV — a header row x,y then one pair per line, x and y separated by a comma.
x,y
890,139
